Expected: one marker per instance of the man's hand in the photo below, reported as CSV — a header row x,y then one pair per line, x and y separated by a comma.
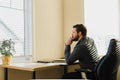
x,y
69,41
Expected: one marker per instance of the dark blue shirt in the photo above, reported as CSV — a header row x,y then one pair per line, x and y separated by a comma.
x,y
85,51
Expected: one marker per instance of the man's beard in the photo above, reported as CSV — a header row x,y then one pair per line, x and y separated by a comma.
x,y
76,38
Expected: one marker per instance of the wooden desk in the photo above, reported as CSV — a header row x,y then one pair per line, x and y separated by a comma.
x,y
33,67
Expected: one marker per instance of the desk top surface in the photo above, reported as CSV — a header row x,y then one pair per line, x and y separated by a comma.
x,y
31,66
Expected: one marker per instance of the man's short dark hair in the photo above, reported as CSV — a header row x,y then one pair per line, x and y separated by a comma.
x,y
81,28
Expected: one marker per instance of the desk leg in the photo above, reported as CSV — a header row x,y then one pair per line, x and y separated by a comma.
x,y
34,75
65,69
5,73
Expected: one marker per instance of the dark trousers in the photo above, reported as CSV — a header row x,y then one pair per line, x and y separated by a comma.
x,y
77,75
72,75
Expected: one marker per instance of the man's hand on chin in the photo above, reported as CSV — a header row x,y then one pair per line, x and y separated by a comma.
x,y
69,41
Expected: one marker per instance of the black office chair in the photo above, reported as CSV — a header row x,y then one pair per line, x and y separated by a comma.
x,y
107,67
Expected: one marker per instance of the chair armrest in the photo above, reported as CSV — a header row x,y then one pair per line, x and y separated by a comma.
x,y
83,70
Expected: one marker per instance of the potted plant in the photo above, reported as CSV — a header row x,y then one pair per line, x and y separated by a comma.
x,y
6,50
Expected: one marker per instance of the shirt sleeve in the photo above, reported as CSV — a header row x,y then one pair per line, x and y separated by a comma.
x,y
75,55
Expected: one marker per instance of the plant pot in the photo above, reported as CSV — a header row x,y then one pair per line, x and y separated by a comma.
x,y
6,60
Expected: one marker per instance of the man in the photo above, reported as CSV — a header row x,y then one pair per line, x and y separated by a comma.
x,y
84,51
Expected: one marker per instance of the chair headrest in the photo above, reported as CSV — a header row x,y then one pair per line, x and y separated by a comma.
x,y
112,46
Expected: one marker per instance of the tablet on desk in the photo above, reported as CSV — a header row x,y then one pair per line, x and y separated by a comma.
x,y
52,61
59,61
45,61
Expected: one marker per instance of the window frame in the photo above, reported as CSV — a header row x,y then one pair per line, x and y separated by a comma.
x,y
28,27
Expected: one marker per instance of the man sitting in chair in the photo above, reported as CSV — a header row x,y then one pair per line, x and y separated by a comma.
x,y
85,51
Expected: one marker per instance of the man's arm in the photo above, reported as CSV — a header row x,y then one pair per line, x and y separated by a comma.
x,y
75,55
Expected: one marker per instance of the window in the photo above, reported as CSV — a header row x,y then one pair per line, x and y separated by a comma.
x,y
15,23
102,21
